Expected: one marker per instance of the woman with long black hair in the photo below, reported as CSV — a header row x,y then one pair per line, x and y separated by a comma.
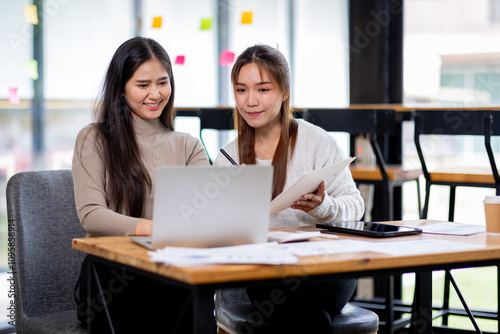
x,y
114,165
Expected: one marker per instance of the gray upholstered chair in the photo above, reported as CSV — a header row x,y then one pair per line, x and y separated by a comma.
x,y
233,311
41,206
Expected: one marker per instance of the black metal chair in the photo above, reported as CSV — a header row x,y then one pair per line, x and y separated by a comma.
x,y
220,119
41,206
235,314
375,123
459,122
378,124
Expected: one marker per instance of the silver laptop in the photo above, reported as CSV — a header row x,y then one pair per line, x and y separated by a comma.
x,y
205,206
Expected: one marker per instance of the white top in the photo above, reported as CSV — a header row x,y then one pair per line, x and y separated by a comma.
x,y
314,149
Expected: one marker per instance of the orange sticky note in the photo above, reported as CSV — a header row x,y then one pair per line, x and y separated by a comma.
x,y
246,17
157,21
179,60
30,14
206,24
32,69
226,58
13,98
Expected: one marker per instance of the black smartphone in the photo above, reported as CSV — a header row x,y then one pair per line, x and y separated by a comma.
x,y
369,229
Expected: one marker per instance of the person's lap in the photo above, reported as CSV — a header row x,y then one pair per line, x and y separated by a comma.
x,y
136,304
301,306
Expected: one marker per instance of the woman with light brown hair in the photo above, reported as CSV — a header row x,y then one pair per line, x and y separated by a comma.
x,y
268,134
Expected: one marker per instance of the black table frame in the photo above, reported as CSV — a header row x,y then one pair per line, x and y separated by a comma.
x,y
203,294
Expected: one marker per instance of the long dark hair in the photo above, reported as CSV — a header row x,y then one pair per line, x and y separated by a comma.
x,y
129,181
274,63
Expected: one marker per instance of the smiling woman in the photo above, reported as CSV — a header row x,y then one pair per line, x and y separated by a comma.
x,y
148,91
114,166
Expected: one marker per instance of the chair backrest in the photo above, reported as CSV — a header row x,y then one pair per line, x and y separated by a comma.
x,y
358,121
478,122
215,119
355,121
41,206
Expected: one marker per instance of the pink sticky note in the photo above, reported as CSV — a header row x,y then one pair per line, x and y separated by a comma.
x,y
179,60
13,98
226,58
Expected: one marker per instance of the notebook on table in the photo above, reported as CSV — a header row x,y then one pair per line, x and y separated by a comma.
x,y
205,206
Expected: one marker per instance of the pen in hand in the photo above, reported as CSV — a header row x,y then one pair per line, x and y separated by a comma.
x,y
228,157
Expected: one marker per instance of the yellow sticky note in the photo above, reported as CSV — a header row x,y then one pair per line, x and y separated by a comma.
x,y
157,22
206,24
246,17
30,14
32,69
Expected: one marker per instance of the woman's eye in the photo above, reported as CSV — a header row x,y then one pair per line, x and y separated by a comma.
x,y
143,86
240,90
264,89
163,83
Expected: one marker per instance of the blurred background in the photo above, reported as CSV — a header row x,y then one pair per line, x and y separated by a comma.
x,y
451,57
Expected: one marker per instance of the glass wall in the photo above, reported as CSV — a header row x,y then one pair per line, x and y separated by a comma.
x,y
80,38
452,58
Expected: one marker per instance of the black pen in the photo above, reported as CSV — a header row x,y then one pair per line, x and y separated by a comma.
x,y
228,157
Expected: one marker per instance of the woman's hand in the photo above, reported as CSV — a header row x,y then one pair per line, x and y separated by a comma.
x,y
311,200
144,227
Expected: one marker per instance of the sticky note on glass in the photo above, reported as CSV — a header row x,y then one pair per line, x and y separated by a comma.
x,y
246,17
206,24
226,58
32,69
179,60
30,14
157,21
13,98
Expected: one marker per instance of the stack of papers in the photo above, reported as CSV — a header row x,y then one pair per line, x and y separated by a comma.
x,y
282,237
273,253
452,228
244,254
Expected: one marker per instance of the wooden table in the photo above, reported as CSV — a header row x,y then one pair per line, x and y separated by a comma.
x,y
204,280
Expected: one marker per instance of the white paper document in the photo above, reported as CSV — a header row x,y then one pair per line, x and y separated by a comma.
x,y
307,183
452,228
282,236
244,254
318,248
416,247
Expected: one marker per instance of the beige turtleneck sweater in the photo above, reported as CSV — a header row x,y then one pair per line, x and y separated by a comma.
x,y
159,147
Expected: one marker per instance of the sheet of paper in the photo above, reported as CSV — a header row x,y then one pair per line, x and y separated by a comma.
x,y
282,236
245,254
416,247
206,24
317,248
452,228
226,58
157,22
246,17
31,14
32,69
179,60
13,97
307,183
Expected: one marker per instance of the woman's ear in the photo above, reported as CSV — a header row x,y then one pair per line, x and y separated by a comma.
x,y
285,96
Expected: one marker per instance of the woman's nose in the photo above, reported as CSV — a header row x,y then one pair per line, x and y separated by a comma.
x,y
154,92
252,99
